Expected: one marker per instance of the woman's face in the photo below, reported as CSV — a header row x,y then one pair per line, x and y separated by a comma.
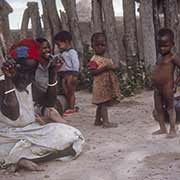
x,y
45,50
25,73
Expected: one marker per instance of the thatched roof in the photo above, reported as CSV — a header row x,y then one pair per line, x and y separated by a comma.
x,y
5,7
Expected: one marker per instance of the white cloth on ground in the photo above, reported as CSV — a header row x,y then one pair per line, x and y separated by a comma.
x,y
24,138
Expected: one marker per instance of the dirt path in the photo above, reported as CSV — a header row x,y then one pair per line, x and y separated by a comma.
x,y
128,152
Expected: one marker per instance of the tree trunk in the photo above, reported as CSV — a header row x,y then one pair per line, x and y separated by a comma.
x,y
156,19
148,33
47,25
24,25
64,20
4,26
111,32
53,17
130,38
97,17
73,21
35,19
171,20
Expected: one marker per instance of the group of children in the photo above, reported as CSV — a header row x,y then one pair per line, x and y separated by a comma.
x,y
105,84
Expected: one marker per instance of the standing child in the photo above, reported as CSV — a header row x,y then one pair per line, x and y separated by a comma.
x,y
163,80
105,83
69,70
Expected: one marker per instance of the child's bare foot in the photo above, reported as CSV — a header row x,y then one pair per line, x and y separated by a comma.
x,y
98,123
109,125
172,134
160,131
29,165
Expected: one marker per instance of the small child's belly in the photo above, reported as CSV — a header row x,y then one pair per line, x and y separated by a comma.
x,y
161,76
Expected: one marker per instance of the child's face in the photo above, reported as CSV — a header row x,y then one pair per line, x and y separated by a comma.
x,y
165,45
63,45
99,45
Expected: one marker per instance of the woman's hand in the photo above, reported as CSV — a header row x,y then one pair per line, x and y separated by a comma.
x,y
9,69
56,65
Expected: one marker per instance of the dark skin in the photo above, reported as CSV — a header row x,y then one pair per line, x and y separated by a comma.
x,y
15,77
48,99
20,76
69,82
100,46
163,79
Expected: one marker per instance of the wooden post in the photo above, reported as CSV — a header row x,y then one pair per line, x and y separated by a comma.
x,y
130,39
24,25
35,19
111,32
148,33
73,21
97,16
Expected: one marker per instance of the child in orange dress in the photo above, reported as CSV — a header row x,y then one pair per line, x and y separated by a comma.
x,y
105,83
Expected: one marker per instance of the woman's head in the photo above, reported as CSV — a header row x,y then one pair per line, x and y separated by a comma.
x,y
25,73
99,43
45,48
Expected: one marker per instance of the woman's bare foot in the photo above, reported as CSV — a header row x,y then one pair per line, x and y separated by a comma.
x,y
109,125
160,131
29,165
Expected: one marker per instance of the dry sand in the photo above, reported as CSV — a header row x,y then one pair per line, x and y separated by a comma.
x,y
128,152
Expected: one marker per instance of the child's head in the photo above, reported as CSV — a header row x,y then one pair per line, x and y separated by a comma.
x,y
63,40
98,43
165,41
45,48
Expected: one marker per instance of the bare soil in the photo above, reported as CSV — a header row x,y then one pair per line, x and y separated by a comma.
x,y
129,152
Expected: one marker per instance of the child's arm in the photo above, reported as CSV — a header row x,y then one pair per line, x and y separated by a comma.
x,y
75,61
177,63
100,70
96,72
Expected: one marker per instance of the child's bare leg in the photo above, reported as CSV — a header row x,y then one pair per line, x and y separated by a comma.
x,y
65,89
172,119
162,125
72,100
98,121
169,99
104,115
158,103
71,85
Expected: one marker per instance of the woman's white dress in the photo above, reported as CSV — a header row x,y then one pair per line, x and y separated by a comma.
x,y
25,138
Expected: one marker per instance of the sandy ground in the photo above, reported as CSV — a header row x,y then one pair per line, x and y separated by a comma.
x,y
128,152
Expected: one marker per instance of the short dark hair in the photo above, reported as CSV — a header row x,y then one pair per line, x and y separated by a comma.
x,y
40,40
63,36
166,32
97,35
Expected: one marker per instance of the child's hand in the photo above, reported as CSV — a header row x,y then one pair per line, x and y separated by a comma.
x,y
111,67
56,64
92,65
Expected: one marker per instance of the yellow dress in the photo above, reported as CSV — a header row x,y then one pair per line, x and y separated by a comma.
x,y
105,85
